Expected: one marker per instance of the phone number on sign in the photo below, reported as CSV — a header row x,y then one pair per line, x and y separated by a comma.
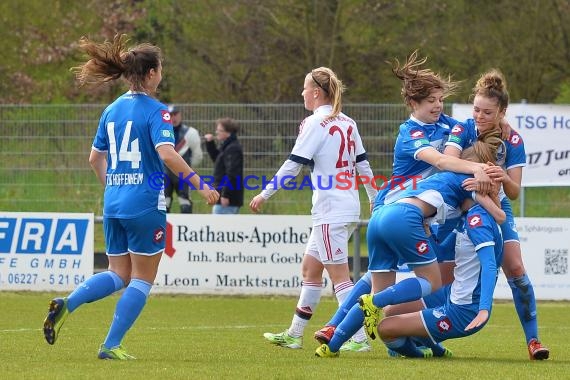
x,y
33,278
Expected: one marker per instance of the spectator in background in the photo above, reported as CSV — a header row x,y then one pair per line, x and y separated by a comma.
x,y
228,166
188,144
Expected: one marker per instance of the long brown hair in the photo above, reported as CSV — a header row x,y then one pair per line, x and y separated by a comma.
x,y
418,83
485,148
110,60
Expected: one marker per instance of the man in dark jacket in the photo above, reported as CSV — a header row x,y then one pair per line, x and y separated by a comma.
x,y
228,166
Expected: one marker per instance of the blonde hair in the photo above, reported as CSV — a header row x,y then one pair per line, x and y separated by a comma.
x,y
492,84
418,83
110,60
485,148
326,80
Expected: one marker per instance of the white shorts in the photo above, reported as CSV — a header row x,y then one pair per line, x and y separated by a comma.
x,y
328,243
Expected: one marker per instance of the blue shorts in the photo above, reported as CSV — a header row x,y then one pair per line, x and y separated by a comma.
x,y
445,246
449,321
396,235
509,227
145,235
437,298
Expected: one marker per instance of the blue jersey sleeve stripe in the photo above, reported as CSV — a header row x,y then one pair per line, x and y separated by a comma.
x,y
163,143
300,160
420,149
362,157
99,150
516,166
454,145
485,244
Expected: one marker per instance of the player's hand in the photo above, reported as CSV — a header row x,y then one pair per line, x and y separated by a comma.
x,y
482,182
479,319
497,173
210,195
256,202
208,137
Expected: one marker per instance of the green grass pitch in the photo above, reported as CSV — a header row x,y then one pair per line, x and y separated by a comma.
x,y
215,337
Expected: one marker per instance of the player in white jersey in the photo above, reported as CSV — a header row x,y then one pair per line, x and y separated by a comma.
x,y
328,142
133,139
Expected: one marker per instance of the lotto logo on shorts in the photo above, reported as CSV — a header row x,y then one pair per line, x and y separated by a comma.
x,y
474,221
444,325
158,235
457,130
417,134
422,247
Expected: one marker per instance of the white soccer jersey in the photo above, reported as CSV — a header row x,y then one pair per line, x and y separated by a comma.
x,y
332,147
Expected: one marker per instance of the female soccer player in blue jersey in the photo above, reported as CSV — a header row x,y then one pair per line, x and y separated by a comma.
x,y
133,140
437,196
417,152
490,102
467,302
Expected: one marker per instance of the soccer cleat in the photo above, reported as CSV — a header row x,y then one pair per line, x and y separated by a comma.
x,y
116,353
324,335
57,314
323,351
427,352
393,354
371,315
284,339
537,351
446,354
354,346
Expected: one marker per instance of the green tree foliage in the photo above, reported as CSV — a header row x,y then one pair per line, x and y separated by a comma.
x,y
259,50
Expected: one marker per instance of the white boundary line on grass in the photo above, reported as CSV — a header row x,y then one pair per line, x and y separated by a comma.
x,y
244,327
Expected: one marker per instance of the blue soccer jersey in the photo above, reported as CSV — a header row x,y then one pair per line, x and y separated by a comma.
x,y
472,284
413,137
134,173
442,190
511,155
479,250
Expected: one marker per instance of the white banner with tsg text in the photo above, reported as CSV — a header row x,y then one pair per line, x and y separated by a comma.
x,y
545,130
45,251
234,254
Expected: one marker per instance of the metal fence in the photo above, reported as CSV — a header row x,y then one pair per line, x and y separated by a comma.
x,y
44,149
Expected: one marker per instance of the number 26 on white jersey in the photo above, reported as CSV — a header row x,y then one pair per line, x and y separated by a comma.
x,y
345,143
